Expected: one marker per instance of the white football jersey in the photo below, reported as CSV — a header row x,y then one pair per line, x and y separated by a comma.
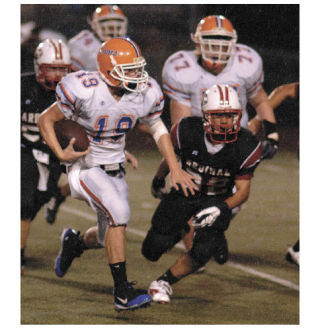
x,y
185,80
84,48
85,97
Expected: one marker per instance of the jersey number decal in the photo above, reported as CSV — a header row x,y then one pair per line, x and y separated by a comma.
x,y
242,57
89,82
122,126
217,186
100,125
185,63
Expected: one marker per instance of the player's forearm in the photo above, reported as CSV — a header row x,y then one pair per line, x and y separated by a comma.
x,y
46,125
262,106
240,196
165,147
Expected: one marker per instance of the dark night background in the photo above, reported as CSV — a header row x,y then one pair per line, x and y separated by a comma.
x,y
271,29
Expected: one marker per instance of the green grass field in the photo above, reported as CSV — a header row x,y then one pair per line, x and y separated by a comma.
x,y
230,294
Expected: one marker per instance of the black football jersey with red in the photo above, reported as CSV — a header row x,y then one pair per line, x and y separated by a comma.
x,y
216,173
34,100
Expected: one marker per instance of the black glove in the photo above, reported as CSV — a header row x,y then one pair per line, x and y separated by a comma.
x,y
269,148
270,145
158,188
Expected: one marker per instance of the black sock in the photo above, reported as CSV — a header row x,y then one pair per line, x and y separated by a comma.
x,y
169,277
83,245
296,247
22,257
119,273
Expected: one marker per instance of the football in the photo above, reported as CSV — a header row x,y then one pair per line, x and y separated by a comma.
x,y
67,129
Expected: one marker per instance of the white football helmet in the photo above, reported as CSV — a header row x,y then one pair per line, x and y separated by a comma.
x,y
221,103
52,61
108,22
216,37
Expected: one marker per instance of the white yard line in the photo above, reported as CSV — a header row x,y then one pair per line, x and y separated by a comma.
x,y
263,275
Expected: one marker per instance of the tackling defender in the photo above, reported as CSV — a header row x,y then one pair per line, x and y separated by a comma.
x,y
218,58
107,103
222,156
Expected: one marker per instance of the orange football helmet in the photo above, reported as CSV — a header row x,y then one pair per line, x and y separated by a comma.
x,y
108,22
120,64
216,37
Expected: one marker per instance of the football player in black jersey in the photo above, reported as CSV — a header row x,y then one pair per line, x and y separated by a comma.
x,y
223,157
40,169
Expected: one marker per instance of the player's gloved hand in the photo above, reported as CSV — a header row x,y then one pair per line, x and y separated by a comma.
x,y
269,148
158,188
270,145
206,217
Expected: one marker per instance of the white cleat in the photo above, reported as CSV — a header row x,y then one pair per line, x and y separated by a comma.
x,y
293,257
160,291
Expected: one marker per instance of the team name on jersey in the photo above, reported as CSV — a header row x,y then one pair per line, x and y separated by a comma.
x,y
208,169
30,117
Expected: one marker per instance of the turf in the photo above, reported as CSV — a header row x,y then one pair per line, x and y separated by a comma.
x,y
258,238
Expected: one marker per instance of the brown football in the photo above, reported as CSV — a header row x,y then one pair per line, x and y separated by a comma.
x,y
66,130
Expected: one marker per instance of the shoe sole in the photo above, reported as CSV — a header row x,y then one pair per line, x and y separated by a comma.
x,y
119,307
58,258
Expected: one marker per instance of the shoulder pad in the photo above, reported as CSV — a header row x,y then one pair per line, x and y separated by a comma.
x,y
248,61
181,68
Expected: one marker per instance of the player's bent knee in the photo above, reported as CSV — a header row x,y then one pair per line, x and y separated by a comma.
x,y
155,244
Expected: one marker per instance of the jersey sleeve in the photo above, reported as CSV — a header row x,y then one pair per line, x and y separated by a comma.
x,y
178,75
154,102
251,150
70,95
251,69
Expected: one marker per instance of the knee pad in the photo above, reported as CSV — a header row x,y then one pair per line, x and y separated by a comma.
x,y
155,244
209,243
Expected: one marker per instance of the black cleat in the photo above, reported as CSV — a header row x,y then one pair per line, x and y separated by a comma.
x,y
51,208
221,253
71,247
128,298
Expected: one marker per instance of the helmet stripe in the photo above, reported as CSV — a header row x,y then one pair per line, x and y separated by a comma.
x,y
218,21
227,95
134,46
221,94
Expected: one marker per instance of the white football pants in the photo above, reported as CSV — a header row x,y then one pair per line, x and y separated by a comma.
x,y
108,196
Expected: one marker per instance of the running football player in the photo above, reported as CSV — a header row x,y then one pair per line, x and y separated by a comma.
x,y
107,103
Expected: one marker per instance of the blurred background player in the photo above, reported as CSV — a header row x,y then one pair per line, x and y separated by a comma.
x,y
222,156
108,21
31,36
40,169
117,95
218,58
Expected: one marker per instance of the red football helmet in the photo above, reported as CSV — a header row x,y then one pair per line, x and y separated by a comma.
x,y
216,37
221,111
52,62
120,64
108,22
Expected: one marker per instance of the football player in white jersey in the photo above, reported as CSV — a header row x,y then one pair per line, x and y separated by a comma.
x,y
108,21
107,103
218,58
